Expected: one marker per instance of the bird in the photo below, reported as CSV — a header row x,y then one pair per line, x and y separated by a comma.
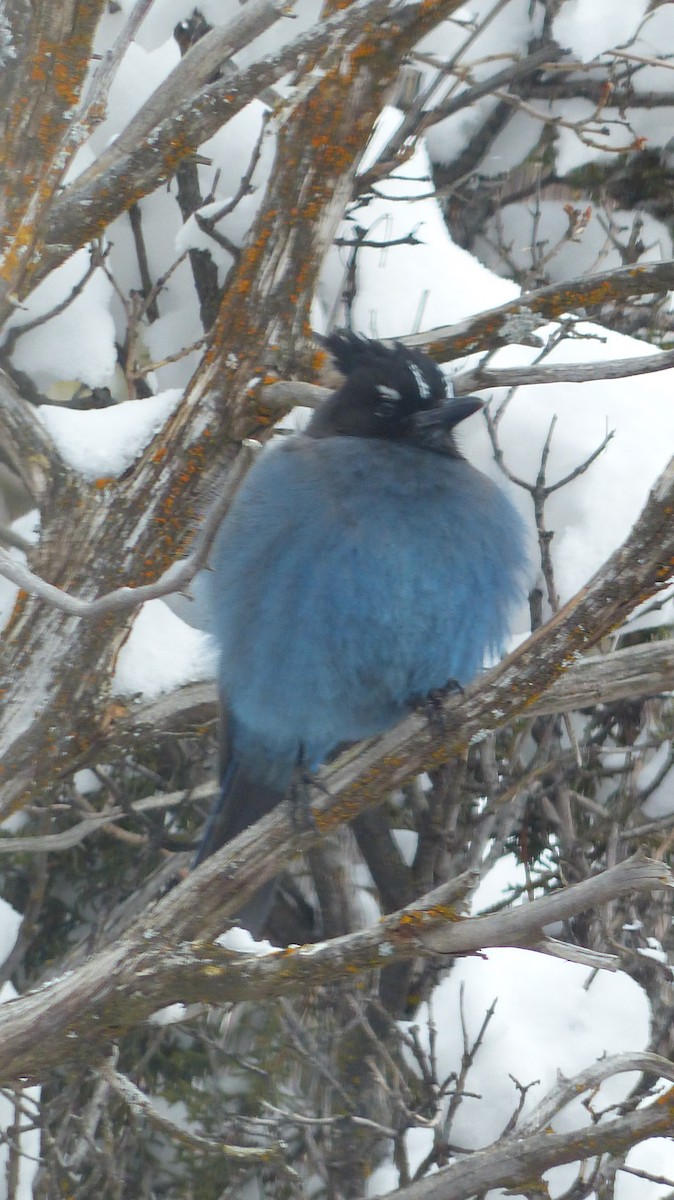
x,y
363,564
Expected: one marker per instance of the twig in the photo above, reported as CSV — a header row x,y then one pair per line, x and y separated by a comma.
x,y
97,256
48,843
141,1105
467,1059
647,59
668,1181
147,291
123,599
566,1091
620,368
245,185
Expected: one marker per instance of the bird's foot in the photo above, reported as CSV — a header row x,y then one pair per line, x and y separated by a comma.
x,y
432,704
300,799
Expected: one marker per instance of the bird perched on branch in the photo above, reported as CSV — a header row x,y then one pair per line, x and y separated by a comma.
x,y
362,565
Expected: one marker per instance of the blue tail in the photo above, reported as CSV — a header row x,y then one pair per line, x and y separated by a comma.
x,y
241,803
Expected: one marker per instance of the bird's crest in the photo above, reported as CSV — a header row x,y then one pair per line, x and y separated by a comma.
x,y
395,371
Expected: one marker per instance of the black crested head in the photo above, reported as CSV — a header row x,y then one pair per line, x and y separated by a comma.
x,y
392,392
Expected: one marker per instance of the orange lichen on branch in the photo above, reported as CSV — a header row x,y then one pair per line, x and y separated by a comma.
x,y
415,919
44,85
62,65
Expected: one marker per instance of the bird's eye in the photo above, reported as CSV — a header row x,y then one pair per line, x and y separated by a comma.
x,y
389,401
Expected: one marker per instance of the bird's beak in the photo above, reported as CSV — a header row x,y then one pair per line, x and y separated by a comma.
x,y
448,414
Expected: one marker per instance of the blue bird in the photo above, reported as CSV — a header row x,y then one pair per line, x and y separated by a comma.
x,y
363,564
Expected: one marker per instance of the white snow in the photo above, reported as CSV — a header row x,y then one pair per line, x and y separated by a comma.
x,y
9,928
409,287
145,666
551,1016
660,803
593,514
140,73
243,942
101,443
79,343
588,27
171,1015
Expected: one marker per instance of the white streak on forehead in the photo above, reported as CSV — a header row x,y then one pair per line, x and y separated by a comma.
x,y
422,386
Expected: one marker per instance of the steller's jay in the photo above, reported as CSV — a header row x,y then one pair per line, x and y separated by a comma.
x,y
362,564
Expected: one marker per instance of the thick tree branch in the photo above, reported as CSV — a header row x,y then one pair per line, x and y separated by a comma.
x,y
178,118
517,1160
628,674
517,320
51,44
73,1017
25,441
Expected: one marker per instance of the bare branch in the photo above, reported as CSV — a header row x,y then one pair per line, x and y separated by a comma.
x,y
517,320
48,843
423,114
568,1090
141,1105
122,985
124,599
510,377
627,674
518,1160
284,394
178,118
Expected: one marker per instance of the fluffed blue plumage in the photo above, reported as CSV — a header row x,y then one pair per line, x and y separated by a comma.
x,y
362,565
